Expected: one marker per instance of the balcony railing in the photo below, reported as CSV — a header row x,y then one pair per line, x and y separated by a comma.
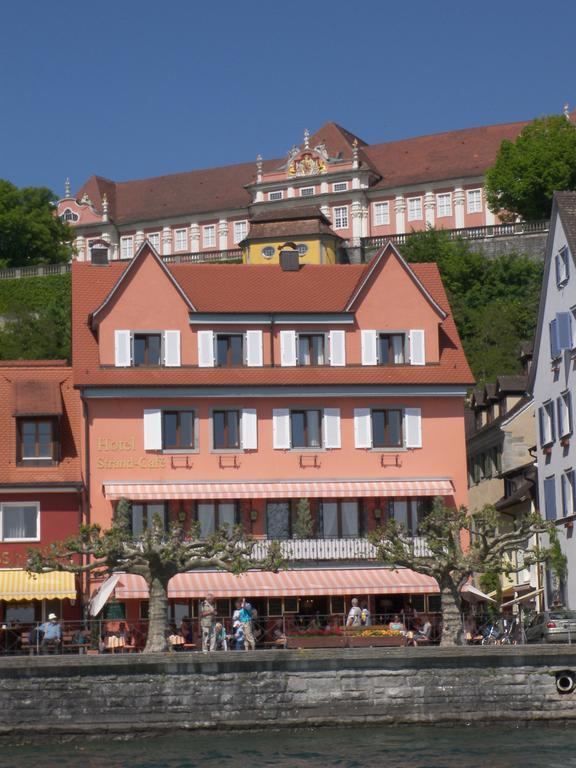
x,y
331,549
467,233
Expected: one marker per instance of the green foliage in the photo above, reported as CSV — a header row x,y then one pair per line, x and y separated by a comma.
x,y
460,545
157,556
30,232
35,318
527,171
494,301
303,525
491,582
557,560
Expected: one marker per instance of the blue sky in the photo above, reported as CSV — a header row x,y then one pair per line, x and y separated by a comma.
x,y
135,88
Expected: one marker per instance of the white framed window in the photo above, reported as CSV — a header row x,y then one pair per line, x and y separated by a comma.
x,y
444,204
568,493
302,428
340,186
276,194
240,231
564,408
381,214
307,191
387,428
154,240
126,247
546,424
414,208
209,236
562,263
20,521
180,240
340,215
474,200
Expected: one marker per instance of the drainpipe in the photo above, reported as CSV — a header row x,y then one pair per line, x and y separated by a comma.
x,y
86,504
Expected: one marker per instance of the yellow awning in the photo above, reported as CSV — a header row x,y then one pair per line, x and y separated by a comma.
x,y
17,584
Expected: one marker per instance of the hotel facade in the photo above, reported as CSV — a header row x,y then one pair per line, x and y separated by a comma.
x,y
229,393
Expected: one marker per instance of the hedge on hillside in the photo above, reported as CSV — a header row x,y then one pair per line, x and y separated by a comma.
x,y
35,318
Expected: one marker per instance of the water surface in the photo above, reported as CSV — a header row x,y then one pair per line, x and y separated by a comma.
x,y
535,746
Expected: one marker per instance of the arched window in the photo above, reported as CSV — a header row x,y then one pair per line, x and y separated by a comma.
x,y
69,215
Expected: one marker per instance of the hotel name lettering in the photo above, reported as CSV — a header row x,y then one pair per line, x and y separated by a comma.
x,y
104,444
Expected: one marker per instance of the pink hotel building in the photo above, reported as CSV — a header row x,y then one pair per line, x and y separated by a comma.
x,y
366,191
227,393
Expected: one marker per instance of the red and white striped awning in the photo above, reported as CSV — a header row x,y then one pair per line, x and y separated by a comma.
x,y
294,583
287,489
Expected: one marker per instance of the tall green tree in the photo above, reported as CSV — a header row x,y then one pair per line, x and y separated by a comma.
x,y
528,170
494,301
157,556
30,231
458,546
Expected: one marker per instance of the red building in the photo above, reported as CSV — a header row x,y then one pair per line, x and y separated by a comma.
x,y
41,487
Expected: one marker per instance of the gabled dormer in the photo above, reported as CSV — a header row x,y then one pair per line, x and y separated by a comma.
x,y
143,319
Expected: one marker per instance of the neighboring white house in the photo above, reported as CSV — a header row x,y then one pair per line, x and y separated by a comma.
x,y
552,383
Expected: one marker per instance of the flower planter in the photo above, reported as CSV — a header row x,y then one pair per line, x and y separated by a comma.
x,y
316,641
375,642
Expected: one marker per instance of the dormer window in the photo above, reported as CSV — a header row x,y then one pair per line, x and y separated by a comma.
x,y
229,350
391,348
37,441
311,349
147,349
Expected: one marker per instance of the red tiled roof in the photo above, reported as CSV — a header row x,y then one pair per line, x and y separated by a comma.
x,y
36,397
258,288
55,376
449,155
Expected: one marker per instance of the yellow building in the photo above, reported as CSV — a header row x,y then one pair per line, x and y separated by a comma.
x,y
304,230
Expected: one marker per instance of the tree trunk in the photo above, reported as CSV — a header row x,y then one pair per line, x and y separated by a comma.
x,y
157,641
451,615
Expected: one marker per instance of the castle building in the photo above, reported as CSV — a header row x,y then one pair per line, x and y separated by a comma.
x,y
367,192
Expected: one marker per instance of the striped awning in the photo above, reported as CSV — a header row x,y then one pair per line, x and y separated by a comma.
x,y
294,583
17,584
287,489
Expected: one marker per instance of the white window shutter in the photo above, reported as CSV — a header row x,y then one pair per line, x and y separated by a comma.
x,y
206,349
287,348
337,348
413,427
362,428
281,428
254,357
172,349
331,428
152,429
249,429
122,349
369,348
417,348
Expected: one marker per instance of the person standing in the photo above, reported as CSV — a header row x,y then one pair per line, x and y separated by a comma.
x,y
207,613
355,614
51,635
245,617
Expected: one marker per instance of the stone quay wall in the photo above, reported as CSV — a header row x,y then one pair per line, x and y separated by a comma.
x,y
80,696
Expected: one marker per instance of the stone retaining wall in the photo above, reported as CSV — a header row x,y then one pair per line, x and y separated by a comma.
x,y
86,695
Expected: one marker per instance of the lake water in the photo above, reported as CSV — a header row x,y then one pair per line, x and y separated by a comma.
x,y
534,746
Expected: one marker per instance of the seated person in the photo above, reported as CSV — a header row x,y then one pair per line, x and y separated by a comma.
x,y
186,630
278,635
423,631
397,624
81,636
